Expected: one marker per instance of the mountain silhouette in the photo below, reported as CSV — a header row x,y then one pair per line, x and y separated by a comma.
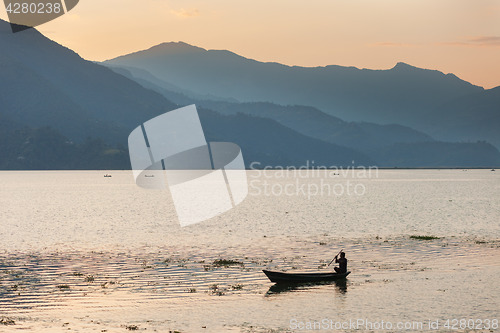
x,y
57,109
438,104
382,143
46,84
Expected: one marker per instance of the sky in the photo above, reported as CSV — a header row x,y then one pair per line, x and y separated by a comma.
x,y
453,36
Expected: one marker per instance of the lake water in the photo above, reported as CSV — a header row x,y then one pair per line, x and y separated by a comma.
x,y
80,252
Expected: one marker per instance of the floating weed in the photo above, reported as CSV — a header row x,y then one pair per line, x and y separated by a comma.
x,y
226,263
7,321
214,290
63,287
237,286
192,290
132,327
13,272
420,237
77,274
145,265
89,278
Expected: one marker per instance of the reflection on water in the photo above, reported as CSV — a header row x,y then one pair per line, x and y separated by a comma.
x,y
159,288
278,288
87,253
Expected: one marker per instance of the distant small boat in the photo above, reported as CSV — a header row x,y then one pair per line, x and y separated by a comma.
x,y
107,175
149,176
282,277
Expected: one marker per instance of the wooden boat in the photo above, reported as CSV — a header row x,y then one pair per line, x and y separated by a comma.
x,y
282,277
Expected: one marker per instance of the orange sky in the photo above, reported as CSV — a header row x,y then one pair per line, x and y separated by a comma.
x,y
457,36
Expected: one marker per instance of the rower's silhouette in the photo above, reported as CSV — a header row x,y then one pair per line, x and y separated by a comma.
x,y
342,261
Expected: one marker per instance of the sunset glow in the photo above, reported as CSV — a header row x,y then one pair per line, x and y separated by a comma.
x,y
453,36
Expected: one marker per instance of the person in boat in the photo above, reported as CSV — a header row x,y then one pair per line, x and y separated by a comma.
x,y
342,261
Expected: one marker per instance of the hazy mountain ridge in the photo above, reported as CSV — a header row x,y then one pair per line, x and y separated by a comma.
x,y
46,149
478,113
259,136
431,154
383,143
59,111
404,95
51,85
43,84
303,119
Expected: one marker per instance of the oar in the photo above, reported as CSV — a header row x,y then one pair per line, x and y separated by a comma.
x,y
335,257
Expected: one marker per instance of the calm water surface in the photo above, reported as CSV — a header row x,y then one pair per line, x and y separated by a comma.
x,y
80,252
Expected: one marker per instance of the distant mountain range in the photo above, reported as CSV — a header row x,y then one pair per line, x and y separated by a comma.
x,y
59,111
51,99
385,144
442,106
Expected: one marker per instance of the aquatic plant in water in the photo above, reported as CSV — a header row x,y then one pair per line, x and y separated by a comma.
x,y
423,237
